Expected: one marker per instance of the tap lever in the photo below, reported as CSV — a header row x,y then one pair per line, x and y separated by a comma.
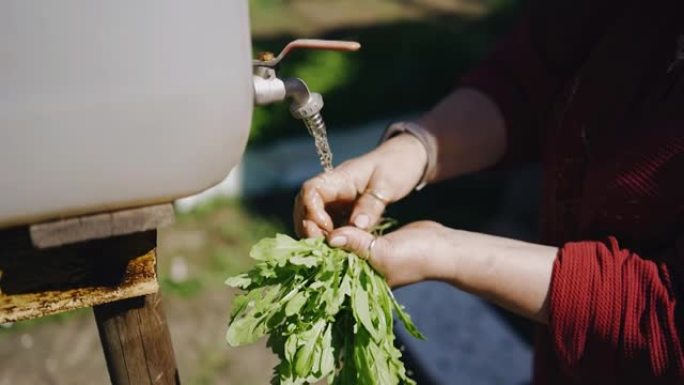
x,y
267,60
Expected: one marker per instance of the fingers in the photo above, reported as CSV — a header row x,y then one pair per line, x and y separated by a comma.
x,y
311,229
368,209
311,217
370,206
305,228
351,239
360,243
298,217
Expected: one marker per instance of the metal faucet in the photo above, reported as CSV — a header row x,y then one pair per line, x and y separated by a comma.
x,y
306,105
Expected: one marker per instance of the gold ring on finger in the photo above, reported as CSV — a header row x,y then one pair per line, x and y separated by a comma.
x,y
369,250
378,196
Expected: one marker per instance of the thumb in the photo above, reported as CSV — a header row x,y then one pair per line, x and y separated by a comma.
x,y
359,242
369,208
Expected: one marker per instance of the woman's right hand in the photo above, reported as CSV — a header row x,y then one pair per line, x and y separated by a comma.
x,y
357,191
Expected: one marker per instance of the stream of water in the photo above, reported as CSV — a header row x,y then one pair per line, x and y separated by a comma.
x,y
317,129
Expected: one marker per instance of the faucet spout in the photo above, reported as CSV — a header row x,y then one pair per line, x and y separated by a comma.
x,y
305,105
297,90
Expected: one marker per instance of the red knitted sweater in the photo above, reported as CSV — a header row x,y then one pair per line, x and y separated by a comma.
x,y
595,90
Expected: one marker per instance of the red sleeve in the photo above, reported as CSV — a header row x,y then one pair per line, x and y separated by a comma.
x,y
614,314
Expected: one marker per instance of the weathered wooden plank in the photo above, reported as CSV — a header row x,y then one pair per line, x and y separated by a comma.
x,y
99,226
136,342
35,283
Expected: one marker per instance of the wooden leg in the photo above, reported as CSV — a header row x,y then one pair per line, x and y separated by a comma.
x,y
136,342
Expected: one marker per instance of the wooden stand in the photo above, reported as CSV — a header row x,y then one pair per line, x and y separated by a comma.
x,y
136,342
116,275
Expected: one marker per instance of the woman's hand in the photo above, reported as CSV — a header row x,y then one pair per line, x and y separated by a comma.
x,y
411,254
511,273
470,134
357,191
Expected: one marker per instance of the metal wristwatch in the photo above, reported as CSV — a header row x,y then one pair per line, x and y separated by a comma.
x,y
426,138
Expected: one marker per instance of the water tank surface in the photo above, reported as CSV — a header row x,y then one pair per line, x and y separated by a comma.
x,y
114,104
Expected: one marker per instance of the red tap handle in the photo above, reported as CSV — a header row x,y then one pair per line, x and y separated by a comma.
x,y
330,45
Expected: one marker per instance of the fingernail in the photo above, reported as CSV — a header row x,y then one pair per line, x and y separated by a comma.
x,y
338,241
362,221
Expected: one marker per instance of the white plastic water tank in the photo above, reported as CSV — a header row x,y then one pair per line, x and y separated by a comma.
x,y
113,104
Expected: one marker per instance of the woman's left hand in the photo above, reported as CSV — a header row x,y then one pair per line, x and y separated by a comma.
x,y
511,273
410,254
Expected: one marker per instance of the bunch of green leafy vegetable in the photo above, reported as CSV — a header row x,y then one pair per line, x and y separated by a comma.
x,y
326,312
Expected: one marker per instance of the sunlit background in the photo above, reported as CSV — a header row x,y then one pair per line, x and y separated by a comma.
x,y
413,53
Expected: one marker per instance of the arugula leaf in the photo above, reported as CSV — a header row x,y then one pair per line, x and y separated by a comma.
x,y
295,304
362,311
241,281
327,314
406,319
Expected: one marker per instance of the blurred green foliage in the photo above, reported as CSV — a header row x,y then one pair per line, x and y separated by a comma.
x,y
223,232
403,66
58,318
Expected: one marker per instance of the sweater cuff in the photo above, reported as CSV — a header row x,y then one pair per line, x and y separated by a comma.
x,y
600,299
570,307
